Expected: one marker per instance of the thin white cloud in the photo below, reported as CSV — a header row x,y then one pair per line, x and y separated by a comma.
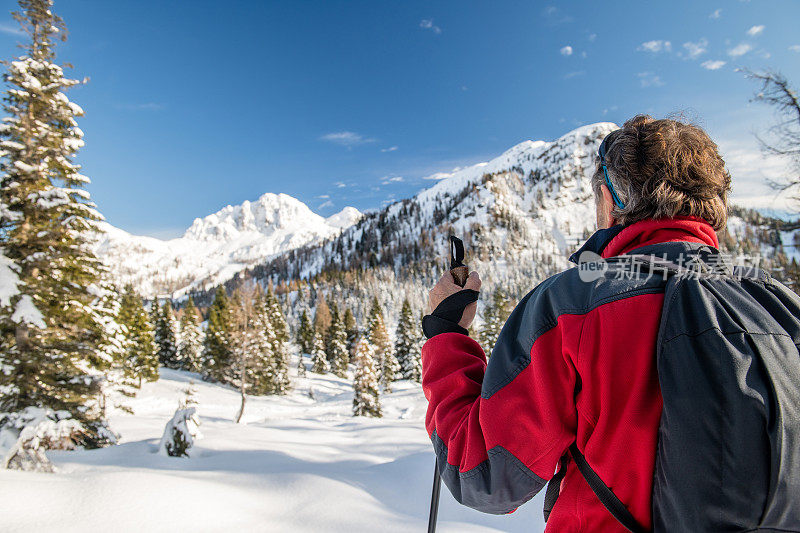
x,y
695,50
713,65
553,16
324,196
752,171
574,74
739,50
794,48
339,185
390,149
427,24
346,138
11,29
386,180
755,30
592,37
717,13
655,46
323,205
566,51
649,79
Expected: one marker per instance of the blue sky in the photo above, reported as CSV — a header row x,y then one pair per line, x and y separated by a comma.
x,y
195,105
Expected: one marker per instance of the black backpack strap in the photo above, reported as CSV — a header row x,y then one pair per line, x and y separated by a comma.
x,y
604,494
554,487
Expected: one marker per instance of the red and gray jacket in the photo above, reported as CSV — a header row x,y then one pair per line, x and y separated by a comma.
x,y
574,363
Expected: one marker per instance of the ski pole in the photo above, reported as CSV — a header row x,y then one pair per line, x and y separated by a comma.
x,y
437,489
460,272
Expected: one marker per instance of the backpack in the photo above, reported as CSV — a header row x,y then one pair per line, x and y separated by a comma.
x,y
728,456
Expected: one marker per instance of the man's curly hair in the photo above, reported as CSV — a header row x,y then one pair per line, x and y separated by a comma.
x,y
665,169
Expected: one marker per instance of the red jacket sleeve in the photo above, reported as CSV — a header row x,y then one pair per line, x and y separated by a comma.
x,y
500,429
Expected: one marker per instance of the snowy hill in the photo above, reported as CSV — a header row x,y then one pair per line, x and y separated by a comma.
x,y
294,464
217,246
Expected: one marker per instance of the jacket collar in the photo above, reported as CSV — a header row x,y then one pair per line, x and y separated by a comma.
x,y
619,239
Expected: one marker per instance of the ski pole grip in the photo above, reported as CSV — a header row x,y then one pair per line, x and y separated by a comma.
x,y
458,269
460,275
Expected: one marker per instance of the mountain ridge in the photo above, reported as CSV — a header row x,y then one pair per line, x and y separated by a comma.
x,y
217,246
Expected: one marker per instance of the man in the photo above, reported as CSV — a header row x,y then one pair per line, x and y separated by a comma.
x,y
575,364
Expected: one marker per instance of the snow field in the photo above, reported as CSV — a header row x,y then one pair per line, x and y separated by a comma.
x,y
294,464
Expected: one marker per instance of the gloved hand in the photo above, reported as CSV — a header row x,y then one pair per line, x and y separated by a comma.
x,y
451,308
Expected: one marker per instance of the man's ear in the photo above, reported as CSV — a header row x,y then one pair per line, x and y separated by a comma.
x,y
605,208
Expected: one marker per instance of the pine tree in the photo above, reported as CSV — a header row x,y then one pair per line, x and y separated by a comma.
x,y
165,327
352,330
277,334
366,399
191,338
52,328
406,346
118,383
378,338
218,360
141,357
249,344
322,316
334,309
301,365
305,334
337,346
494,316
319,360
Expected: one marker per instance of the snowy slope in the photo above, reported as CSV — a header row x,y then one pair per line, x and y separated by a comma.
x,y
218,246
295,464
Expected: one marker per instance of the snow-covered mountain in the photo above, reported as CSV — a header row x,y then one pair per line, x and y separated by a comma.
x,y
216,247
520,214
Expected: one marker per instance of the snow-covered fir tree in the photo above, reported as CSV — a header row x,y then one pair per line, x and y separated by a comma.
x,y
319,359
305,334
276,317
52,352
495,315
218,359
338,355
180,433
406,347
118,382
366,398
378,338
190,345
141,357
165,327
277,334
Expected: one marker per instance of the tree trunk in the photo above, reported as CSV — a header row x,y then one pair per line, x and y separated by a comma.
x,y
241,408
242,386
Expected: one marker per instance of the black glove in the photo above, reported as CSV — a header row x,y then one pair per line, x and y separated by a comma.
x,y
446,316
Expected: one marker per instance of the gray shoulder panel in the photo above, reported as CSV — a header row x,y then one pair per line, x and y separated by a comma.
x,y
539,310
